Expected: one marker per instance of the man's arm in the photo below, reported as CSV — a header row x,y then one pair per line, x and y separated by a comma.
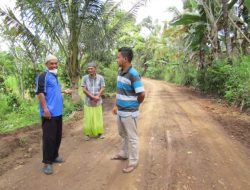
x,y
139,89
67,91
141,97
101,91
96,98
42,100
85,91
41,91
114,110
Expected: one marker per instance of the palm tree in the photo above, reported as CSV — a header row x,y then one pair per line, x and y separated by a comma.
x,y
64,25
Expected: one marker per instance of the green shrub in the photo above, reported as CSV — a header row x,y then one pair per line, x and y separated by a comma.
x,y
70,107
238,84
26,114
29,80
2,84
230,80
202,84
110,76
13,101
181,74
217,75
4,108
154,70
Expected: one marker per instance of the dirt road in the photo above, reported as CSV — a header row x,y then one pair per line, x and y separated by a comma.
x,y
181,148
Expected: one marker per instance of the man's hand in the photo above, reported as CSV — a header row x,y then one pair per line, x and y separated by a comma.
x,y
67,91
114,110
141,97
47,114
96,98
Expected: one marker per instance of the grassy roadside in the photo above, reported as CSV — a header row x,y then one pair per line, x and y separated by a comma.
x,y
28,114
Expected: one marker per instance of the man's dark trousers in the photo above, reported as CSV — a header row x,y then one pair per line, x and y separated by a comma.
x,y
52,135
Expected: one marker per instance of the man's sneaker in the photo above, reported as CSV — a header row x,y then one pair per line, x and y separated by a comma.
x,y
101,136
86,138
47,169
58,160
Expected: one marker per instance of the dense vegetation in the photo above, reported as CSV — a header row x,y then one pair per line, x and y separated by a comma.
x,y
205,46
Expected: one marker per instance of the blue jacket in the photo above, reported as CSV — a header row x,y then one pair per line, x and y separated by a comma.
x,y
48,84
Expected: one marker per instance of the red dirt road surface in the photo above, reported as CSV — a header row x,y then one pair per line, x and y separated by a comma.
x,y
186,143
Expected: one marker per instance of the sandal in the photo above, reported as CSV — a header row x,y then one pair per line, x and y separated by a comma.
x,y
118,157
129,169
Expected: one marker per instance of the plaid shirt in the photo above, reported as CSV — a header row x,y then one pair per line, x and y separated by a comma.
x,y
93,85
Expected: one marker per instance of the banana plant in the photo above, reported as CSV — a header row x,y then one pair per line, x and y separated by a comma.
x,y
203,23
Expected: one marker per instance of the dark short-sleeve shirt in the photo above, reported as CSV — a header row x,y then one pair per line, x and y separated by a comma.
x,y
48,84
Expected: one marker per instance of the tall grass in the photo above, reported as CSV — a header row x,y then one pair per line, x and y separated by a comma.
x,y
28,113
24,115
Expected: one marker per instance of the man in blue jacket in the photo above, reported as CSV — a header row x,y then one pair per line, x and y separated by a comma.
x,y
48,90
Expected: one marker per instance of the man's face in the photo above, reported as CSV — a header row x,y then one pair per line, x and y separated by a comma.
x,y
120,59
52,64
92,70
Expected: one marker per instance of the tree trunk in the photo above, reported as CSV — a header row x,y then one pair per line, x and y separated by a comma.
x,y
213,35
73,65
201,58
215,45
21,86
73,51
19,78
75,94
226,28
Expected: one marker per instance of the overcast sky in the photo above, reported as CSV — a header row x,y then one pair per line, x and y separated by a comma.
x,y
9,3
157,9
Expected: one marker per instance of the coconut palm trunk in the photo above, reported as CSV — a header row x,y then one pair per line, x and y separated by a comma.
x,y
226,28
74,71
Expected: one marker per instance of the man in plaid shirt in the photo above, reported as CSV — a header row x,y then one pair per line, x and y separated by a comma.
x,y
93,87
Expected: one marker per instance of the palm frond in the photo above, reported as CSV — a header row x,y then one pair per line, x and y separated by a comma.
x,y
187,18
101,34
43,15
17,29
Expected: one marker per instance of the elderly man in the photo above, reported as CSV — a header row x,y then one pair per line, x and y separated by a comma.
x,y
93,87
48,90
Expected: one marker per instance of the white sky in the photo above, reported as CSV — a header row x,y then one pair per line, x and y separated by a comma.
x,y
157,9
8,3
